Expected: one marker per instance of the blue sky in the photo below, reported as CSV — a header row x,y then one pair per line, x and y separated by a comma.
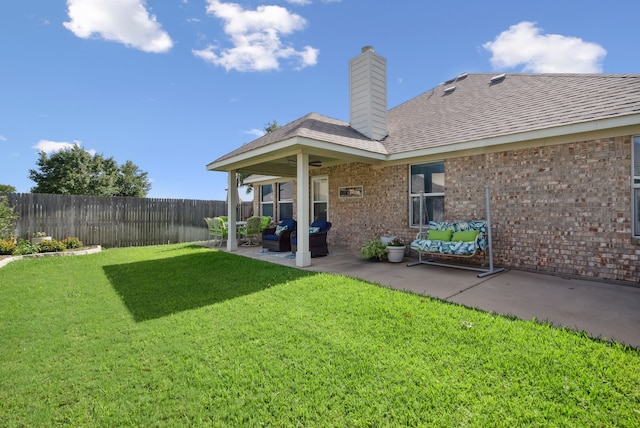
x,y
174,84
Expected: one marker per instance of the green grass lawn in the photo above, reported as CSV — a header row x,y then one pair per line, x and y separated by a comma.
x,y
182,335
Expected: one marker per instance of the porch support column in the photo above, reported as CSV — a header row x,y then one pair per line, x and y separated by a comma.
x,y
232,203
303,255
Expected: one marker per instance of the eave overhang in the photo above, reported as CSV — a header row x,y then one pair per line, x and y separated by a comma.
x,y
279,158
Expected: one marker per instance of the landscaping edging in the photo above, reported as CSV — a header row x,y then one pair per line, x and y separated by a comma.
x,y
82,251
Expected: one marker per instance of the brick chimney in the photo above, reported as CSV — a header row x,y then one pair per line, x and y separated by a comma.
x,y
368,94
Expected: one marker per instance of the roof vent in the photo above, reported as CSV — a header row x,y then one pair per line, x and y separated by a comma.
x,y
462,76
498,78
449,90
447,82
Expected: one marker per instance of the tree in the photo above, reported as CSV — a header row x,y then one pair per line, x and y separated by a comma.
x,y
6,188
7,218
132,181
270,127
74,171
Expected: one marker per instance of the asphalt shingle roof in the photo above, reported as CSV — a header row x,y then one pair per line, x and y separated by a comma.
x,y
315,127
477,109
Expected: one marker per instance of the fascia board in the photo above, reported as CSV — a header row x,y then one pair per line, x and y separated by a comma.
x,y
268,152
325,148
262,179
292,146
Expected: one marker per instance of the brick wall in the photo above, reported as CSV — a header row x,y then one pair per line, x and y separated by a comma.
x,y
563,209
381,211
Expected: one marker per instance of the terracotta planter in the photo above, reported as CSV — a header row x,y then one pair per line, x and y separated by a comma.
x,y
395,254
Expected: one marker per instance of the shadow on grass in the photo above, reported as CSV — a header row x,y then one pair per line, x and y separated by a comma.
x,y
156,288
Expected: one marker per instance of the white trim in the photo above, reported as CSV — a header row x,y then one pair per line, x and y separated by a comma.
x,y
313,200
293,146
423,195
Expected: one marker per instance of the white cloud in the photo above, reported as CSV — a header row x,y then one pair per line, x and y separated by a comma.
x,y
48,146
523,44
123,21
255,35
3,138
255,132
51,146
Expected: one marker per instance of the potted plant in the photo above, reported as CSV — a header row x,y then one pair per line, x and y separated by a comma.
x,y
373,249
395,250
386,239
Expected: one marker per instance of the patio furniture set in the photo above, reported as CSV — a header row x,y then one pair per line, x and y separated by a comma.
x,y
278,238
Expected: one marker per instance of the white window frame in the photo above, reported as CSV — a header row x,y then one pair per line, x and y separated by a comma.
x,y
414,197
282,201
314,197
263,203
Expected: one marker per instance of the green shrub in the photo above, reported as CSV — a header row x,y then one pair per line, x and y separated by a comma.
x,y
373,249
72,242
7,247
50,246
26,247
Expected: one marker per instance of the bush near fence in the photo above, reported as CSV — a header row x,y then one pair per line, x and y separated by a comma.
x,y
117,221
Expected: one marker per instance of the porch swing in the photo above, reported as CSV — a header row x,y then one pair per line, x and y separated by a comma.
x,y
456,239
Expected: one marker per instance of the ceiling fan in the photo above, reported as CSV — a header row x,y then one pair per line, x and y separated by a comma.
x,y
313,163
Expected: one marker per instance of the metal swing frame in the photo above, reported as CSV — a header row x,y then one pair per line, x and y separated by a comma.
x,y
484,272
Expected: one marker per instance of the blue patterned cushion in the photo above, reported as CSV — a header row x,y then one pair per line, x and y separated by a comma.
x,y
280,229
289,222
454,248
313,229
321,224
426,245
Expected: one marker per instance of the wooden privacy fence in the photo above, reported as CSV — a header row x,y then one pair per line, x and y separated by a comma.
x,y
117,221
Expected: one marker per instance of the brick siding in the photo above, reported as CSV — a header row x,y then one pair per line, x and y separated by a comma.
x,y
562,209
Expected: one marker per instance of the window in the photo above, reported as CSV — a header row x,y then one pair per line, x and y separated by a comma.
x,y
266,200
635,208
319,198
426,178
285,200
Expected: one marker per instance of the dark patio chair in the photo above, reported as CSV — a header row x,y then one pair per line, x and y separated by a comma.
x,y
279,238
317,238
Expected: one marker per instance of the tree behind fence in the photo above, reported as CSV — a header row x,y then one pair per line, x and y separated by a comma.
x,y
117,221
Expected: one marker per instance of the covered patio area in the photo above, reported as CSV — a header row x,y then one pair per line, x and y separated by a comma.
x,y
292,152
